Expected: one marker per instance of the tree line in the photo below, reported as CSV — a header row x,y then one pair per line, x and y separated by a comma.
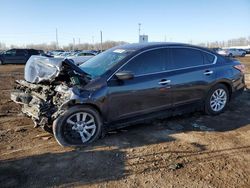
x,y
242,41
53,46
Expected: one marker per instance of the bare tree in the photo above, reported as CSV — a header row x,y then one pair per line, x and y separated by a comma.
x,y
2,46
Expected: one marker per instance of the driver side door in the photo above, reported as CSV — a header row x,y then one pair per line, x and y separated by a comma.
x,y
147,92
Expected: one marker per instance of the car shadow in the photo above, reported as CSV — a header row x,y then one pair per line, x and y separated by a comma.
x,y
54,169
103,161
77,168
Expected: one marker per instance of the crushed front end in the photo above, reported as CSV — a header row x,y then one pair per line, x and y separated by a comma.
x,y
49,83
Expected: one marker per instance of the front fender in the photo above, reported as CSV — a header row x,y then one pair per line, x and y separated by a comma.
x,y
97,100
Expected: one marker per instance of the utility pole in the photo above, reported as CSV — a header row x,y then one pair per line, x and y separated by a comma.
x,y
139,30
73,44
57,45
93,40
101,40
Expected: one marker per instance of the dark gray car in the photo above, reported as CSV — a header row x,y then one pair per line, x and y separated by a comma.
x,y
125,85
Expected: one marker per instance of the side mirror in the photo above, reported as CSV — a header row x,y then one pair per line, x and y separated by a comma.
x,y
125,75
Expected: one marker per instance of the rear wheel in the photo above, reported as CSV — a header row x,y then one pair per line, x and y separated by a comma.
x,y
1,62
79,125
217,100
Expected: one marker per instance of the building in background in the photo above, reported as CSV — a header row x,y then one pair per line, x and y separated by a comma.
x,y
143,38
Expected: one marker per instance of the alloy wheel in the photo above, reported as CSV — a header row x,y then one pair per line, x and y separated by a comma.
x,y
218,100
81,125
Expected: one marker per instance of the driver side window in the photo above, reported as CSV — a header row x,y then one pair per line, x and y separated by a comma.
x,y
147,63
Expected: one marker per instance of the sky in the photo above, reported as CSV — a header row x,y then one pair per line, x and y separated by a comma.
x,y
35,21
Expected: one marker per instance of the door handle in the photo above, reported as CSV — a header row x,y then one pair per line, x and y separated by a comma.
x,y
164,82
208,72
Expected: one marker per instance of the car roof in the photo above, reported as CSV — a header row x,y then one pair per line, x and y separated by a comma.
x,y
149,45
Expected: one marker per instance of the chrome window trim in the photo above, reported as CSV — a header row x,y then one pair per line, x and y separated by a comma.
x,y
214,62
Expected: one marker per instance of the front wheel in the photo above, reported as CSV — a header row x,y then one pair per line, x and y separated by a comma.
x,y
217,100
79,125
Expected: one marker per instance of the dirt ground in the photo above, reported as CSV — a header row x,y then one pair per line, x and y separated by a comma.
x,y
193,150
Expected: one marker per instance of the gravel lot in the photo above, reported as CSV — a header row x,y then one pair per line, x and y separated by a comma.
x,y
192,150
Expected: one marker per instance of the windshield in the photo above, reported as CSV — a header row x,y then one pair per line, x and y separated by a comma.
x,y
103,62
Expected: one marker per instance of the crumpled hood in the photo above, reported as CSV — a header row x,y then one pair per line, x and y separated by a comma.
x,y
40,68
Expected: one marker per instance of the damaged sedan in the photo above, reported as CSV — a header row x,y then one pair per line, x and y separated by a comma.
x,y
125,85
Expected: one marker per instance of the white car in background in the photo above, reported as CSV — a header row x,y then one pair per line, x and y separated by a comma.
x,y
80,57
232,52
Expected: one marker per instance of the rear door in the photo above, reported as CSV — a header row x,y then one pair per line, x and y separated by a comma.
x,y
191,73
147,92
21,56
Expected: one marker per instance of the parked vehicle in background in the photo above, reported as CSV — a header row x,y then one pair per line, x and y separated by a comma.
x,y
215,49
244,52
232,52
247,50
124,85
80,57
54,52
18,56
62,54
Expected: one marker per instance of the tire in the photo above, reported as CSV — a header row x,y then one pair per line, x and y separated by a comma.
x,y
211,102
243,55
70,134
230,55
1,62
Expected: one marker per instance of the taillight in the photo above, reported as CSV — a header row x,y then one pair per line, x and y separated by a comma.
x,y
240,67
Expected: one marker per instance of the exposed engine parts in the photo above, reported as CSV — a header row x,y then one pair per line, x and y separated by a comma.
x,y
42,99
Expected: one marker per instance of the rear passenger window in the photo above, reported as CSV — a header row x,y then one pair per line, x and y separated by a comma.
x,y
185,57
208,58
147,62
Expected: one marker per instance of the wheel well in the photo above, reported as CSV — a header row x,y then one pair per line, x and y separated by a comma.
x,y
73,103
229,87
